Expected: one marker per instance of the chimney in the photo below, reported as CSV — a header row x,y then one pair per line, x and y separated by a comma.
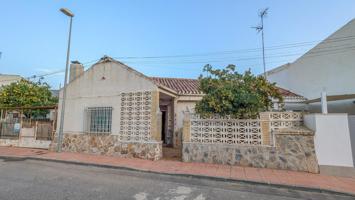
x,y
76,69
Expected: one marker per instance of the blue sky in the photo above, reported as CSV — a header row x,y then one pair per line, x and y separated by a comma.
x,y
33,34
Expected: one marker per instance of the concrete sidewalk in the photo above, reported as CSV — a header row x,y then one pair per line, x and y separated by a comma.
x,y
259,175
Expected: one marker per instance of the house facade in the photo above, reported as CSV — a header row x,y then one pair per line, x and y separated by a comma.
x,y
113,109
7,79
329,67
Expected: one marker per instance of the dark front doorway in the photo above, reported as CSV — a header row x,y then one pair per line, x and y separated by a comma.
x,y
167,109
163,126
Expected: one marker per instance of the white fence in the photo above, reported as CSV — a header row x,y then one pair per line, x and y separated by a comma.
x,y
352,134
226,130
332,138
283,119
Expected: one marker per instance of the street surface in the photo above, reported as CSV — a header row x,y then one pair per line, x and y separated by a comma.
x,y
41,180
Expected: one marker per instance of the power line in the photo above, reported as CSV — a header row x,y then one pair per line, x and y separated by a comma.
x,y
310,54
276,47
291,45
46,74
242,59
320,51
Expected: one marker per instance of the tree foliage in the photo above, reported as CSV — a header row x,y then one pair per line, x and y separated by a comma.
x,y
229,93
25,93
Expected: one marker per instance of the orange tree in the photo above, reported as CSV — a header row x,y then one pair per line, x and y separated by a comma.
x,y
26,93
229,93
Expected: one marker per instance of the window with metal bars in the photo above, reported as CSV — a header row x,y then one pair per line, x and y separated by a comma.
x,y
98,119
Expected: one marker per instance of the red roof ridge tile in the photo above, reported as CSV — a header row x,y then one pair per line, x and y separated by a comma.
x,y
157,77
191,86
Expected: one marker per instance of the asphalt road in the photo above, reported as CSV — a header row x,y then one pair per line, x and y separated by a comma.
x,y
41,180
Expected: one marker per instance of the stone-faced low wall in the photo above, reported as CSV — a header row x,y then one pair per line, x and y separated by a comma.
x,y
110,145
9,142
28,142
293,150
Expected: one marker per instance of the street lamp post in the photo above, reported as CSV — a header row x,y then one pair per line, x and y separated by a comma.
x,y
62,111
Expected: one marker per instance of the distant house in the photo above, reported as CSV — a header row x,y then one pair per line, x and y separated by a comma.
x,y
113,109
329,67
55,93
6,79
21,130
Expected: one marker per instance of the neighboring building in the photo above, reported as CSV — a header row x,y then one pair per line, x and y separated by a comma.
x,y
18,129
115,110
6,79
329,66
55,93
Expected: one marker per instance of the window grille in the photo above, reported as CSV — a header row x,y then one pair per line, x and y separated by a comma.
x,y
98,119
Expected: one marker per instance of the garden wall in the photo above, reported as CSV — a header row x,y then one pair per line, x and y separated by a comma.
x,y
242,142
110,145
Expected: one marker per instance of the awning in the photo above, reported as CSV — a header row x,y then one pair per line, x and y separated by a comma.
x,y
333,98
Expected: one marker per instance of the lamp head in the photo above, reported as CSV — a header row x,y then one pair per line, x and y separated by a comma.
x,y
67,12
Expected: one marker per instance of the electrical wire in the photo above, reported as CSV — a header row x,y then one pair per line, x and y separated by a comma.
x,y
327,50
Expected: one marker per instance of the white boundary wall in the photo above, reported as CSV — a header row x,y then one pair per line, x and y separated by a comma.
x,y
332,138
352,134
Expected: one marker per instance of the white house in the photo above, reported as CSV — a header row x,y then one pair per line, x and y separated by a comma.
x,y
6,79
113,109
329,66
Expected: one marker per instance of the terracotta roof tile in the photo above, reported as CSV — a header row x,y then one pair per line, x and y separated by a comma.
x,y
190,86
180,85
287,93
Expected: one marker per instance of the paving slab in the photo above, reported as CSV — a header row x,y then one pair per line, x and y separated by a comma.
x,y
236,173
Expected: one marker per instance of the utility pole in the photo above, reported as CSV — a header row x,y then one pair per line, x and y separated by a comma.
x,y
259,29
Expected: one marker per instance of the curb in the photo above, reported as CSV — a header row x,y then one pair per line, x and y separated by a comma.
x,y
249,182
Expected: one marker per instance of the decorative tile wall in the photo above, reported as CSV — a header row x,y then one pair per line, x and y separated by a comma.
x,y
225,131
135,119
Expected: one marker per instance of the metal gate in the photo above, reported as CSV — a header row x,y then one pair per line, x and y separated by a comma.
x,y
9,130
44,130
